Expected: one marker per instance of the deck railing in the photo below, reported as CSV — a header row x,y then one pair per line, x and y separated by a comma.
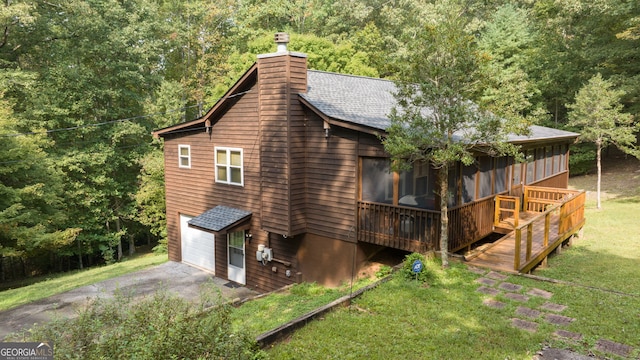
x,y
572,213
415,229
567,205
538,198
399,227
507,207
470,222
529,225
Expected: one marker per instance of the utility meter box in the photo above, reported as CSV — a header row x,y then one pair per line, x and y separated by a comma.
x,y
267,254
264,254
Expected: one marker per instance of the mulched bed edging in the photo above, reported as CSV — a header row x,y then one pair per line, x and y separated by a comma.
x,y
270,337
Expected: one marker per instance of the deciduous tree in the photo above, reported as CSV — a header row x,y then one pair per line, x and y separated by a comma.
x,y
436,120
598,115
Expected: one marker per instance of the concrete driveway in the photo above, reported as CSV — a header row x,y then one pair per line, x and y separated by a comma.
x,y
171,276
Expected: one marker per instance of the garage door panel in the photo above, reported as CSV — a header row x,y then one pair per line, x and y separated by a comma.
x,y
198,247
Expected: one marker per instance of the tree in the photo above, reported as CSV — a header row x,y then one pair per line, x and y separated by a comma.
x,y
435,120
324,55
97,63
508,38
31,197
150,198
597,114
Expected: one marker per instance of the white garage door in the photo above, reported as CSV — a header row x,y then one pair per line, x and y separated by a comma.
x,y
198,247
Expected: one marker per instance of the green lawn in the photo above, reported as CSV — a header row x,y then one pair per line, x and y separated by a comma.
x,y
608,255
279,308
59,283
448,320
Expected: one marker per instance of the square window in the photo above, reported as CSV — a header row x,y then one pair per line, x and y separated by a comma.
x,y
229,166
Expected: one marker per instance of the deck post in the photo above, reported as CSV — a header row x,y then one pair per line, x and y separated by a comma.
x,y
544,262
529,239
496,212
547,229
516,213
516,260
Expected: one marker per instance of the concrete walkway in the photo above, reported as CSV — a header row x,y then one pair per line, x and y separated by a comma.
x,y
173,277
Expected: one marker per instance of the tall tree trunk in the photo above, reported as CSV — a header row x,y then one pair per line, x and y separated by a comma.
x,y
23,266
599,165
444,216
119,240
80,255
132,245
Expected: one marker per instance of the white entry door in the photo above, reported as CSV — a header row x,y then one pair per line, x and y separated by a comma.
x,y
198,247
236,267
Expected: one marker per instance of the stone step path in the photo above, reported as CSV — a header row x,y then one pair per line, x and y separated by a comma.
x,y
493,283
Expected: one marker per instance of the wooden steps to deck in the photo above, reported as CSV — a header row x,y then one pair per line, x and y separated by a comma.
x,y
546,219
501,254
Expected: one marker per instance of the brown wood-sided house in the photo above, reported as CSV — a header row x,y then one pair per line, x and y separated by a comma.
x,y
285,179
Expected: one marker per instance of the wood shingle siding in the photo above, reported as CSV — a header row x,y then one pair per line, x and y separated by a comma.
x,y
331,178
280,79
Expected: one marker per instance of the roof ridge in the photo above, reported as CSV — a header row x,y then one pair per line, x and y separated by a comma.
x,y
351,75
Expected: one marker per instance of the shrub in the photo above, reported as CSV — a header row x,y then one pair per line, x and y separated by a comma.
x,y
406,271
164,326
384,271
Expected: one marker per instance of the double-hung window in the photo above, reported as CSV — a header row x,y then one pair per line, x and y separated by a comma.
x,y
184,156
229,169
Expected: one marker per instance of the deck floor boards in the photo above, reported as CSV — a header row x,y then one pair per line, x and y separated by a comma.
x,y
501,256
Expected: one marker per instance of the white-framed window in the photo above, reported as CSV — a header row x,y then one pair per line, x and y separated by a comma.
x,y
184,156
229,167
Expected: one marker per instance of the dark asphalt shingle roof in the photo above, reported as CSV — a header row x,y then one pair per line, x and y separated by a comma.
x,y
219,218
356,99
368,102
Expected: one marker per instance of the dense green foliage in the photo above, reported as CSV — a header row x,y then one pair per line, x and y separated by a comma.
x,y
164,326
83,83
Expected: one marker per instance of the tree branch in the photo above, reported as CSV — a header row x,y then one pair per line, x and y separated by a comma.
x,y
5,36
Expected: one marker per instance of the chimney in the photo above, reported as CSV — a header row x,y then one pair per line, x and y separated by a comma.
x,y
282,39
282,75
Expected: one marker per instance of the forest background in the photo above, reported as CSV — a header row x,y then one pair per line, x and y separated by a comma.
x,y
83,84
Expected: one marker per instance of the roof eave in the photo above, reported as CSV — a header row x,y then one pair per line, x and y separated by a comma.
x,y
242,224
220,105
341,123
568,138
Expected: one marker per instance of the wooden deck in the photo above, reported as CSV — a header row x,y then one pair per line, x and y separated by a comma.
x,y
546,223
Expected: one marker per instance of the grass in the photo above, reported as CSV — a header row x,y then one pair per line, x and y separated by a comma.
x,y
269,312
447,320
58,283
402,319
608,255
